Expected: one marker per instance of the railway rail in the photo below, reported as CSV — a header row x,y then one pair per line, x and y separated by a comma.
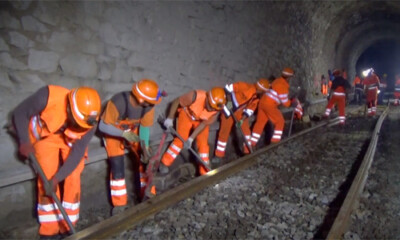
x,y
271,193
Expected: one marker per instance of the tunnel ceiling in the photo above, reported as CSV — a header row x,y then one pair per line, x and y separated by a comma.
x,y
359,26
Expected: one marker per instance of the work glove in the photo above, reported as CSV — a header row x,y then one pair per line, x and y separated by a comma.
x,y
51,187
229,105
169,122
25,149
188,143
239,123
130,136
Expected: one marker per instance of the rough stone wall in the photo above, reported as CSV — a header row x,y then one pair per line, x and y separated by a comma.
x,y
182,45
109,45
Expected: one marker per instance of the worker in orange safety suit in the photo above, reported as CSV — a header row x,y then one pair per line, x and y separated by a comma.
x,y
371,85
56,122
126,123
242,100
324,86
268,107
197,109
397,90
338,94
358,89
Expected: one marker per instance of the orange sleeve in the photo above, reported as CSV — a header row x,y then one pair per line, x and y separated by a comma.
x,y
148,118
187,99
110,114
283,93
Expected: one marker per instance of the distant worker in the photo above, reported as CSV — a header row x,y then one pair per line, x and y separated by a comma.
x,y
56,124
126,123
382,89
371,85
197,110
268,107
338,94
358,90
324,86
243,100
397,90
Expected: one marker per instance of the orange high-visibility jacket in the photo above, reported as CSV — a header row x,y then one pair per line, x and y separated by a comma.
x,y
371,82
53,117
243,94
197,110
279,93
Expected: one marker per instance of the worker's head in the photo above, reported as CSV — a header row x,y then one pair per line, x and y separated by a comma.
x,y
337,72
287,72
262,85
84,106
216,98
147,91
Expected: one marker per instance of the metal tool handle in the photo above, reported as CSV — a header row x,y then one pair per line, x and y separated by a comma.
x,y
39,170
174,132
291,122
241,132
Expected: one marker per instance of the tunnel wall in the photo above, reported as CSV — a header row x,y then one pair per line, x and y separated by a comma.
x,y
182,45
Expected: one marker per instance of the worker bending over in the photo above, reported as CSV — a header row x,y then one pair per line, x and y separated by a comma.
x,y
197,110
242,101
56,123
126,123
268,107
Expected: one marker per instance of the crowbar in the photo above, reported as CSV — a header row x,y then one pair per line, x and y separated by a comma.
x,y
173,131
240,129
39,170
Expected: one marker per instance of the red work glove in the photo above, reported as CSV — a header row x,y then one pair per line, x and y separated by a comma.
x,y
25,149
51,187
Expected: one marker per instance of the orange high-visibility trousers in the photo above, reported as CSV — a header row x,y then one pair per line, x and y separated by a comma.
x,y
115,149
372,97
396,98
185,124
268,112
50,218
340,100
225,130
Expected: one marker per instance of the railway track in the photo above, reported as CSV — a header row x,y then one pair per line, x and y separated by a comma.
x,y
294,189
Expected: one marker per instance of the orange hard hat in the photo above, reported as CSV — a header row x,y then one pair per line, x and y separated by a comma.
x,y
85,106
287,72
216,97
262,84
147,90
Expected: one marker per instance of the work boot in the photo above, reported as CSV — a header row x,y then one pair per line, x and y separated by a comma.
x,y
118,209
163,169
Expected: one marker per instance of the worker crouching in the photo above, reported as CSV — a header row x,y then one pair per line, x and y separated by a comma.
x,y
126,123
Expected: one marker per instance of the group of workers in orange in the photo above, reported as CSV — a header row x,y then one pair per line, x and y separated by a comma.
x,y
55,125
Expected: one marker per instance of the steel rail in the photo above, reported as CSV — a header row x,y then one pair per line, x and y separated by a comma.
x,y
342,220
135,215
